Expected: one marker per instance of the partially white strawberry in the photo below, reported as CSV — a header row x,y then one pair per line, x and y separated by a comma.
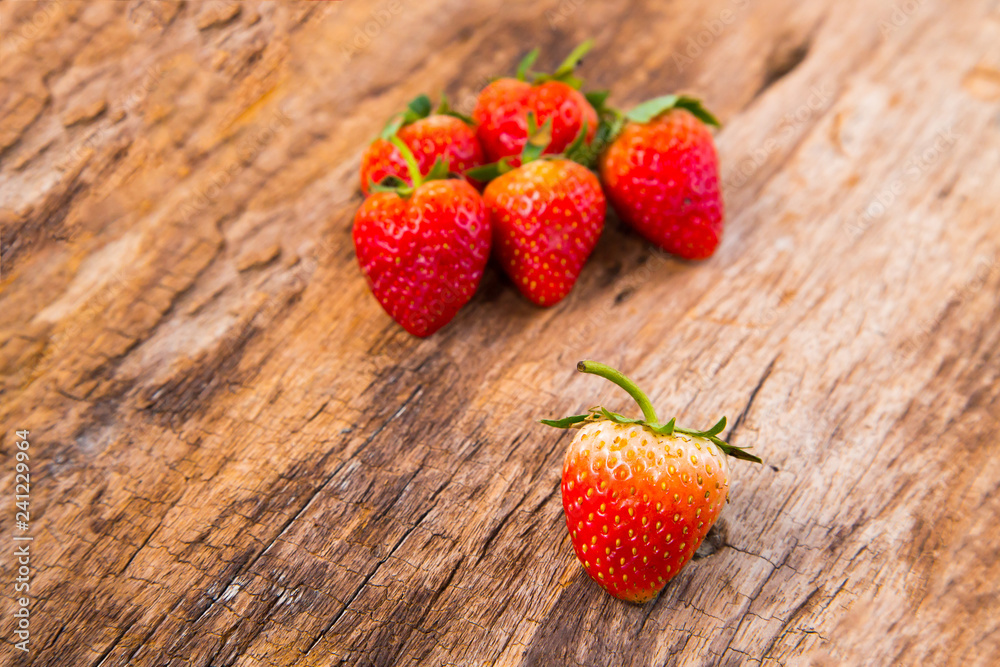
x,y
640,495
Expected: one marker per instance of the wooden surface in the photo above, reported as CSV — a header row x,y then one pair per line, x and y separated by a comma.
x,y
238,459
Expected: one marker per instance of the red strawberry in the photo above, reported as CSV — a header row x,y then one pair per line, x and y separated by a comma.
x,y
502,109
546,216
443,135
661,174
640,496
423,249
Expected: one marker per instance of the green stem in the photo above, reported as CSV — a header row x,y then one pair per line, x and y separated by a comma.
x,y
573,59
526,63
411,162
608,373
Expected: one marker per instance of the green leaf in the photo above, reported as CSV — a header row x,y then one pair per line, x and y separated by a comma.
x,y
392,127
579,151
378,187
419,107
565,70
411,161
695,106
487,172
597,98
392,184
717,429
444,109
468,120
391,181
617,418
663,429
710,433
526,63
610,126
650,109
539,139
566,422
738,453
532,124
438,172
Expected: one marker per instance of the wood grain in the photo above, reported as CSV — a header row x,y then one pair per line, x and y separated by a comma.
x,y
238,459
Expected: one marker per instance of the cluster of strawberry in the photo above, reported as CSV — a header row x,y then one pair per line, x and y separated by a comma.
x,y
518,177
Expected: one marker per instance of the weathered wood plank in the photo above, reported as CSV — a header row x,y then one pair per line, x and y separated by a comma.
x,y
239,460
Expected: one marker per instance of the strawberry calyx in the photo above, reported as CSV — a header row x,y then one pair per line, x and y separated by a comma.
x,y
650,109
539,139
487,172
649,419
420,107
580,151
612,121
439,171
564,72
584,153
524,67
445,109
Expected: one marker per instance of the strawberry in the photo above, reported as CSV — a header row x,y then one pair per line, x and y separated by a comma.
x,y
502,109
423,247
546,217
640,495
443,134
661,174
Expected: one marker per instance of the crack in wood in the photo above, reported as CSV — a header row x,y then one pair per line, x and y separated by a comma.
x,y
366,579
749,404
